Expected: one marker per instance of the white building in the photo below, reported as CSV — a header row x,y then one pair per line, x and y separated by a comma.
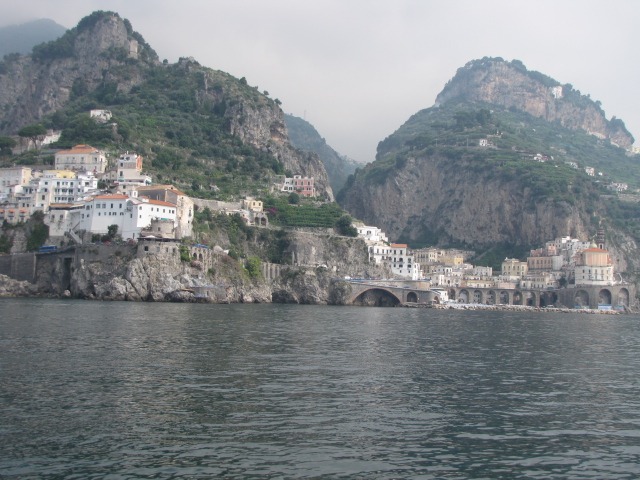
x,y
12,177
101,116
379,252
56,186
81,157
130,215
402,262
371,234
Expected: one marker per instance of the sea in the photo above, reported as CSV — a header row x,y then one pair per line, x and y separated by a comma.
x,y
123,390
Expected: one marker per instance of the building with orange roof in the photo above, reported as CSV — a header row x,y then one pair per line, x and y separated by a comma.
x,y
184,205
81,158
127,171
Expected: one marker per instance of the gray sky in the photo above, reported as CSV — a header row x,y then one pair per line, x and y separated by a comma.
x,y
358,69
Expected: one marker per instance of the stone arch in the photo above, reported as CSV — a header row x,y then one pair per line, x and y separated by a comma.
x,y
530,299
623,298
200,256
491,298
604,297
581,299
517,298
463,297
548,299
412,297
377,297
477,296
504,297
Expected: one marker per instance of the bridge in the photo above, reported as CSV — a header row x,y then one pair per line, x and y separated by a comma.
x,y
399,292
389,293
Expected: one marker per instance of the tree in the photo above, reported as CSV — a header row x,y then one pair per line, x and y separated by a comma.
x,y
112,231
294,198
344,227
6,144
253,267
34,133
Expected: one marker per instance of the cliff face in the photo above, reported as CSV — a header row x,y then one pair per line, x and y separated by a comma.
x,y
431,200
511,85
116,272
33,86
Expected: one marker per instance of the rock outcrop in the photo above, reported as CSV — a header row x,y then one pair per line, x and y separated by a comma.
x,y
117,272
511,85
456,204
16,288
93,54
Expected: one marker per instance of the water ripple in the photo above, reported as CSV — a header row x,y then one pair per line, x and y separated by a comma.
x,y
125,390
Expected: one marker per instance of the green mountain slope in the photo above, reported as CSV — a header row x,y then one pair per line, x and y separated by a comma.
x,y
206,131
480,175
305,137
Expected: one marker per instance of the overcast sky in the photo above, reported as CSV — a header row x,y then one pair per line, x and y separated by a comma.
x,y
358,69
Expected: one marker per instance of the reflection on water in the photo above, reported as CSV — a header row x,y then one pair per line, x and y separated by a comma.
x,y
139,390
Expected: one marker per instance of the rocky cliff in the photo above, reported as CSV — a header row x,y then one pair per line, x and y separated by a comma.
x,y
499,163
431,200
90,55
118,272
511,85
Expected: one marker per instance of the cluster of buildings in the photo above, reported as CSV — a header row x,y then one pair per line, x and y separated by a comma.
x,y
75,206
562,262
86,193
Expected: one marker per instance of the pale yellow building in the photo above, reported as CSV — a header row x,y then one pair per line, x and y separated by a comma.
x,y
514,267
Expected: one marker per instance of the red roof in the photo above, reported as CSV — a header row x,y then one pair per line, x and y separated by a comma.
x,y
163,204
78,149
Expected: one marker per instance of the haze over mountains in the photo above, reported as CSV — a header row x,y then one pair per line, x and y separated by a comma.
x,y
22,38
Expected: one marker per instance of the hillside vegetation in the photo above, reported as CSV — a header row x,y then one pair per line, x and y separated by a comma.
x,y
209,133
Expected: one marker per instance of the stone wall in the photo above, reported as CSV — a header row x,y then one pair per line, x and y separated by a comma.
x,y
19,266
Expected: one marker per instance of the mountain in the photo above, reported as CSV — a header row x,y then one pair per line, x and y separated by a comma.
x,y
208,132
499,164
305,137
511,85
22,38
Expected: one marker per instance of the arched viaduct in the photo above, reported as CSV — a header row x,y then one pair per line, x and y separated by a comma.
x,y
375,293
592,296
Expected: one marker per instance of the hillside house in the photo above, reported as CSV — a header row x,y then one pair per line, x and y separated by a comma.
x,y
301,185
81,158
